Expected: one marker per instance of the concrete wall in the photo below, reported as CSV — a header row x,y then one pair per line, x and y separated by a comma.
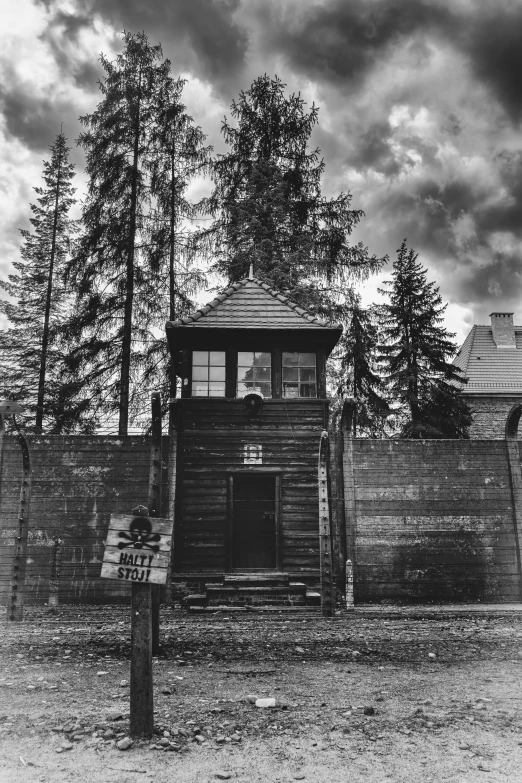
x,y
433,521
427,520
77,483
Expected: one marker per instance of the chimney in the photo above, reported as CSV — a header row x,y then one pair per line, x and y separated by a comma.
x,y
503,330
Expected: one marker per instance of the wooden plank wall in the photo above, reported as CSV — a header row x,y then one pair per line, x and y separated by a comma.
x,y
211,441
433,522
77,483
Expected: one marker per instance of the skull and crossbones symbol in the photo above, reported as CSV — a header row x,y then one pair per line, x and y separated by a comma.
x,y
139,535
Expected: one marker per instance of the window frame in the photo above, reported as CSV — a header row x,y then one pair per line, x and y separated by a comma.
x,y
299,382
269,382
208,351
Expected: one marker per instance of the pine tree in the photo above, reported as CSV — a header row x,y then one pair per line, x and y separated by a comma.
x,y
268,205
360,377
177,157
32,349
422,382
117,283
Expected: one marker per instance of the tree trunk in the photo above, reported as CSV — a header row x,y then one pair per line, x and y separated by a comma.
x,y
172,271
129,286
48,297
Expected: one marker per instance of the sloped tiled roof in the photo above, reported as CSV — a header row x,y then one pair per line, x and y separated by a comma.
x,y
252,304
490,370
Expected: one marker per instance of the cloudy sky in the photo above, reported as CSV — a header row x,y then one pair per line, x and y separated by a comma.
x,y
420,113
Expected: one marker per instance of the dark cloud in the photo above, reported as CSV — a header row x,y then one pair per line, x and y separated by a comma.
x,y
373,150
493,41
342,40
499,278
506,214
202,34
34,120
62,33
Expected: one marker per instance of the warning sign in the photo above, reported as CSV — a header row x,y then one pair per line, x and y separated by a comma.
x,y
137,549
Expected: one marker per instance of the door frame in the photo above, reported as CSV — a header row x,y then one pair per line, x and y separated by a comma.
x,y
277,474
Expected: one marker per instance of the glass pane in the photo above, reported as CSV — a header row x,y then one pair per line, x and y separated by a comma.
x,y
200,390
245,358
200,357
307,374
290,374
217,374
308,390
243,388
290,359
265,389
290,390
245,374
217,358
200,373
262,374
262,359
307,360
216,389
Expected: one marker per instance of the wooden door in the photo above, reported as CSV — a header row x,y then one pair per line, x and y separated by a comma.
x,y
254,522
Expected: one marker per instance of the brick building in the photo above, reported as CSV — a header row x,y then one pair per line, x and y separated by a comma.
x,y
491,359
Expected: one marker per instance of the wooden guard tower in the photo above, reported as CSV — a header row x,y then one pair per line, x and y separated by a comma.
x,y
248,427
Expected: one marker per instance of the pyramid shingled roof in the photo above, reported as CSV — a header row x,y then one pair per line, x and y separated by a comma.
x,y
490,370
252,304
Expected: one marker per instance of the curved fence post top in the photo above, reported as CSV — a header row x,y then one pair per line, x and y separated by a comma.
x,y
512,421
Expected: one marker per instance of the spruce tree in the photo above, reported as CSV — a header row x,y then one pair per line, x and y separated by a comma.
x,y
178,155
269,209
112,271
424,386
360,378
32,348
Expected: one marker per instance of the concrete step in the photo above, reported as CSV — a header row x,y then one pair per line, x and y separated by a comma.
x,y
196,599
280,595
300,611
256,578
312,598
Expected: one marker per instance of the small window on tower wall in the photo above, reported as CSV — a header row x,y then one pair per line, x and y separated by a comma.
x,y
299,375
254,373
208,373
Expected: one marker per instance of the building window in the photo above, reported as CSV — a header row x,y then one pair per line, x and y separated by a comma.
x,y
254,373
208,373
299,374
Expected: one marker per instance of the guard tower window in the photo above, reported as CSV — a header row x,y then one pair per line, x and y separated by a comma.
x,y
208,373
299,374
254,373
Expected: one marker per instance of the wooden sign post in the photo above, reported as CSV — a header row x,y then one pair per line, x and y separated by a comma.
x,y
137,550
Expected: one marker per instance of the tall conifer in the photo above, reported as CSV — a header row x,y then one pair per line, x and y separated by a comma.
x,y
117,286
268,205
178,155
360,374
424,386
32,348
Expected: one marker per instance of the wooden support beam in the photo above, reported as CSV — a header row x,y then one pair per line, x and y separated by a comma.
x,y
337,508
54,579
349,586
141,685
350,509
15,608
325,535
172,483
154,504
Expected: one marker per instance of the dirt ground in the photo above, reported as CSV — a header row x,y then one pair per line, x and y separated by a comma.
x,y
377,696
